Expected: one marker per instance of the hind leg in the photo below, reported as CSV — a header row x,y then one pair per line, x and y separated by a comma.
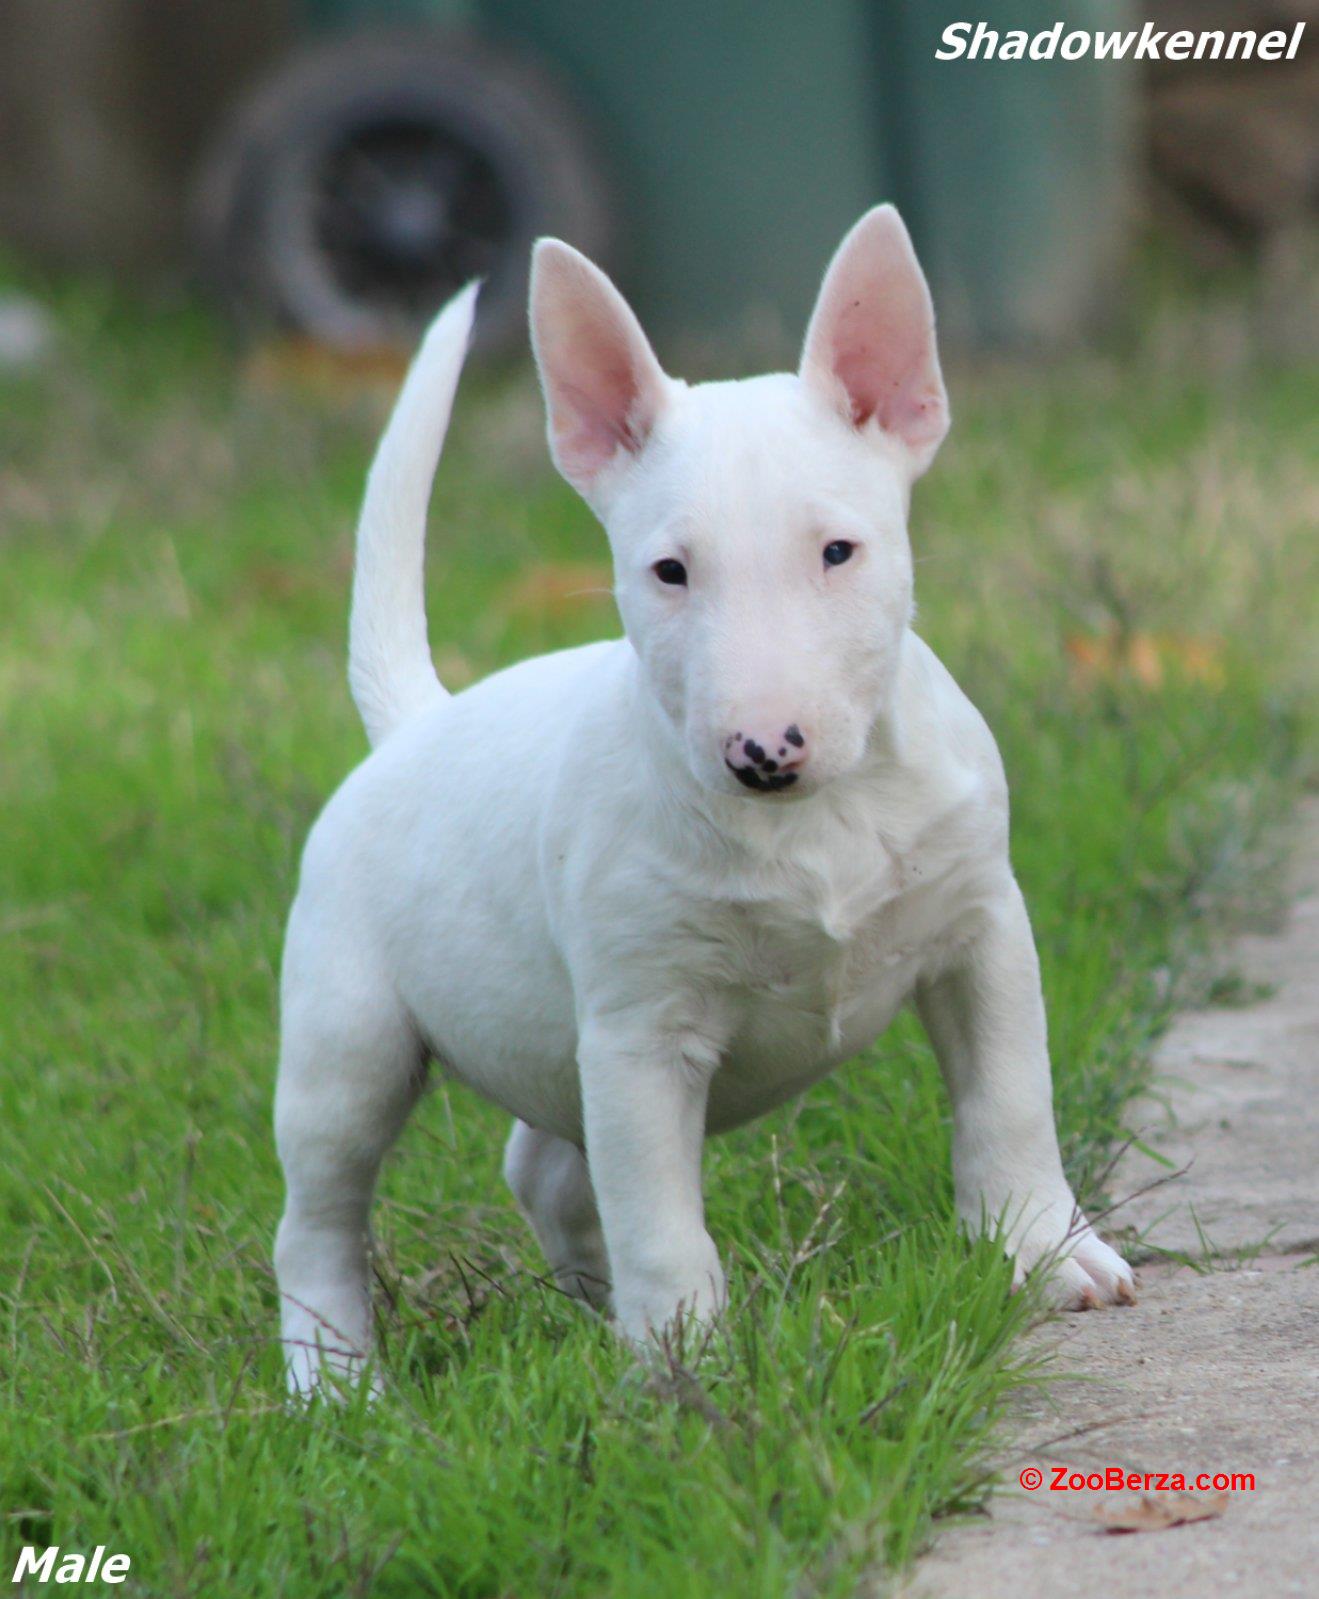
x,y
552,1186
350,1071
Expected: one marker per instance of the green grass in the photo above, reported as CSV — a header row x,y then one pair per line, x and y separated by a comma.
x,y
175,549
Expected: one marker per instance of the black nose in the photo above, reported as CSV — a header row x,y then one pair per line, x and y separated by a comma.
x,y
766,764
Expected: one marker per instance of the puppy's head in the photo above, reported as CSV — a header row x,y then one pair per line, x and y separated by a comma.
x,y
758,528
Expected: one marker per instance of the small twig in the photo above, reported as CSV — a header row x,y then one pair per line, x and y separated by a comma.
x,y
16,1300
1145,1188
188,1415
871,1411
1079,1432
91,1248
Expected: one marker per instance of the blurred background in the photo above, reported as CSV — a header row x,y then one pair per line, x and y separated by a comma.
x,y
220,227
338,167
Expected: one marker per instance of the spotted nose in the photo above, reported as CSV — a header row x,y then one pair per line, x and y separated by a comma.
x,y
766,763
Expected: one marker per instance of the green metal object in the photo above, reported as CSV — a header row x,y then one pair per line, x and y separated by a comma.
x,y
745,136
742,138
1013,175
328,14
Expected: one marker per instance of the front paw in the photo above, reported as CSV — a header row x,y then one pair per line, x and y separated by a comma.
x,y
652,1300
320,1361
1079,1271
1051,1241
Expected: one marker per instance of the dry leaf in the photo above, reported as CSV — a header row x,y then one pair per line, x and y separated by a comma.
x,y
453,668
557,589
302,364
1157,1512
1146,658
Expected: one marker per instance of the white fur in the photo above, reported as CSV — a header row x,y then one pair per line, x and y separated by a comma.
x,y
555,887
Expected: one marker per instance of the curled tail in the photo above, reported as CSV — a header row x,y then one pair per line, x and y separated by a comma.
x,y
390,670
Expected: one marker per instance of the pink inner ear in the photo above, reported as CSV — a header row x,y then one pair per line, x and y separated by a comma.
x,y
893,387
594,418
872,336
884,365
603,384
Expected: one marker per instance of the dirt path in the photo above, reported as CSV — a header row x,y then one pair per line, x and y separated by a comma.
x,y
1214,1370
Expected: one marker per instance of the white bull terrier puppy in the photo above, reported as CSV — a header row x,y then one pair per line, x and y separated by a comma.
x,y
648,889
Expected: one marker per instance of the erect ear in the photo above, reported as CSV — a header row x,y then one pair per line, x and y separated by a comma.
x,y
870,346
604,389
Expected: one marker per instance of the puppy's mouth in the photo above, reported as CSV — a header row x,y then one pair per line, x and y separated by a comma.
x,y
761,782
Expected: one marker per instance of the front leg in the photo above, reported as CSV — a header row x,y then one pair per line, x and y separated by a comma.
x,y
643,1100
985,1017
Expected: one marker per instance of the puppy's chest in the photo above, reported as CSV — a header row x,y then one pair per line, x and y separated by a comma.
x,y
827,951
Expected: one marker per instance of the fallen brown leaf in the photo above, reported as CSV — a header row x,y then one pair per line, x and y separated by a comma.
x,y
1146,658
299,363
1158,1512
455,671
557,589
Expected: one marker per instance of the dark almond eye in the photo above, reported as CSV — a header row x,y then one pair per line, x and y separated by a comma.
x,y
670,571
838,552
